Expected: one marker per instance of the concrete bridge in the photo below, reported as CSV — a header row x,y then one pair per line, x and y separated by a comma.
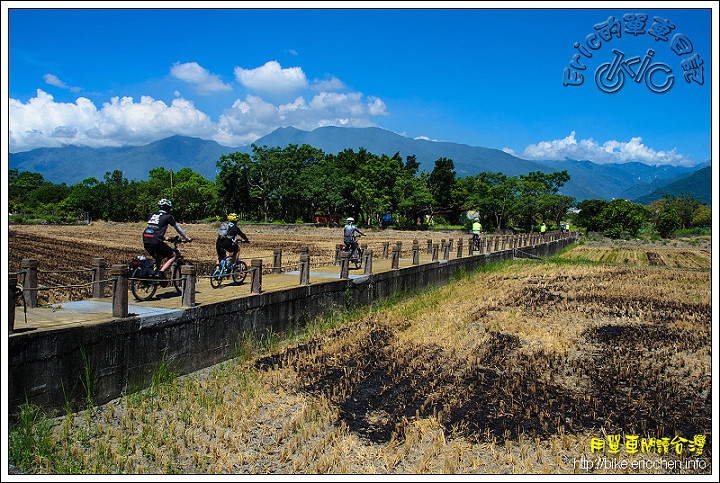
x,y
120,344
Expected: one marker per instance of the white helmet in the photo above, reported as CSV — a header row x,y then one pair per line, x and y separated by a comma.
x,y
350,220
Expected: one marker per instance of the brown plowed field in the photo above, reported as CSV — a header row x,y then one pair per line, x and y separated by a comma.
x,y
534,367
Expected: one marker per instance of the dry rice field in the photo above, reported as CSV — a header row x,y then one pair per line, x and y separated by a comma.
x,y
534,367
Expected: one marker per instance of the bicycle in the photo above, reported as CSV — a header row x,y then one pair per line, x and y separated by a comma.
x,y
475,240
143,275
355,254
226,268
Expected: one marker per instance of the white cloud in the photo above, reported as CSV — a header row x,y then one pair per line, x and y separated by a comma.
x,y
332,84
43,122
53,80
272,78
193,73
610,152
376,107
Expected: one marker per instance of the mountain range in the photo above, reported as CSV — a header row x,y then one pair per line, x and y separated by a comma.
x,y
588,180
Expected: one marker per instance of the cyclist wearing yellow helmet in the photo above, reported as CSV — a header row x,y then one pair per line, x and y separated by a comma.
x,y
227,240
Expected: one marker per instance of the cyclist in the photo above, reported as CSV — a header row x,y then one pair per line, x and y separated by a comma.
x,y
154,237
349,234
227,240
477,230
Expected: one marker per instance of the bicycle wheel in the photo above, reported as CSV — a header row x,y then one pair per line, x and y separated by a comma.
x,y
357,258
177,277
217,275
142,289
239,272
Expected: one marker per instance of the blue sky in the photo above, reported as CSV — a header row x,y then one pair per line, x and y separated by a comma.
x,y
482,77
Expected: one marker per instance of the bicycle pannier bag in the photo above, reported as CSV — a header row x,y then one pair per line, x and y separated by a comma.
x,y
146,266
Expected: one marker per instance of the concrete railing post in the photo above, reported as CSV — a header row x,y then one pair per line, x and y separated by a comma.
x,y
344,265
496,244
338,249
277,260
12,283
459,247
435,252
429,246
368,261
399,247
98,278
30,267
395,262
119,273
256,272
385,250
471,246
446,250
188,274
415,253
304,269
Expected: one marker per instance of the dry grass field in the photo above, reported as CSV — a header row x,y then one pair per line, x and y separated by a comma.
x,y
597,362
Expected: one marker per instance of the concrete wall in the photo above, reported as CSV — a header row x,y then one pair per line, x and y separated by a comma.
x,y
106,360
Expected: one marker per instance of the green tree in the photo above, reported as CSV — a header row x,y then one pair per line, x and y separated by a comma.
x,y
115,198
411,191
702,216
348,164
194,196
534,204
555,207
443,186
668,221
231,185
590,214
326,184
375,185
83,197
442,181
21,185
684,207
298,167
624,216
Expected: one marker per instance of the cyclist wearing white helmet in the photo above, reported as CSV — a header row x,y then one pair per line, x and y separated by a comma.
x,y
349,234
154,235
227,240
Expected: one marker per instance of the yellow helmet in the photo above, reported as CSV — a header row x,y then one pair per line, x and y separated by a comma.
x,y
232,217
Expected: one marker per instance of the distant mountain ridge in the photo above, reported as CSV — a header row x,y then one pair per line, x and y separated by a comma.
x,y
697,185
589,180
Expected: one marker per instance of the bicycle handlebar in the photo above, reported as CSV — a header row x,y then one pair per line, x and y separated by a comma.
x,y
176,239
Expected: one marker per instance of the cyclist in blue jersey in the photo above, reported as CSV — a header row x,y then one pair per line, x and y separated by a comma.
x,y
228,237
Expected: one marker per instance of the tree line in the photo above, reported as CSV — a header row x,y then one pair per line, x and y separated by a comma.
x,y
296,184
